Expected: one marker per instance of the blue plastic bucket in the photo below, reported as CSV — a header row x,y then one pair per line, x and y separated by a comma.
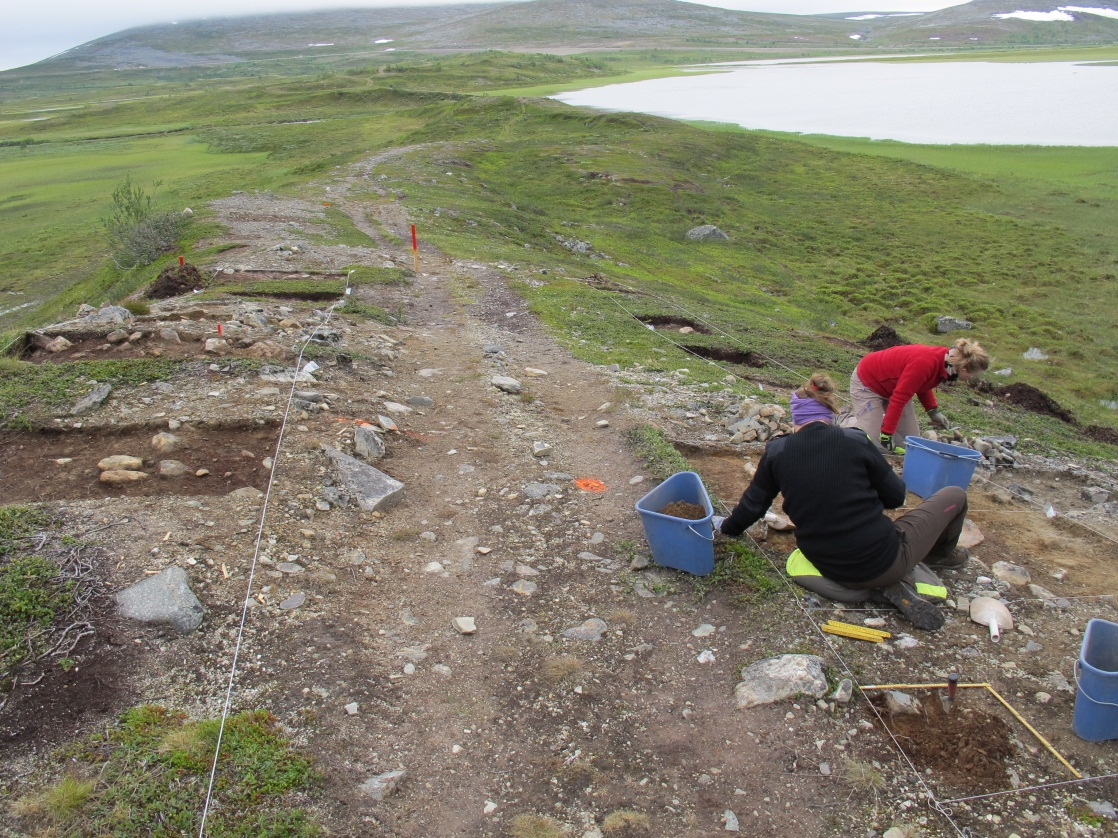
x,y
1096,678
682,543
931,465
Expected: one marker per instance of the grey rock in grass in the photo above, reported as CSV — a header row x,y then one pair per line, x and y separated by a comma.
x,y
946,324
1034,354
372,489
776,679
163,599
706,233
92,400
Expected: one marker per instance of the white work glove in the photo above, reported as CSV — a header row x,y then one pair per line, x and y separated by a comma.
x,y
716,522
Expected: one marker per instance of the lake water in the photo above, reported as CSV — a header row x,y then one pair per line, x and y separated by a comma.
x,y
1057,103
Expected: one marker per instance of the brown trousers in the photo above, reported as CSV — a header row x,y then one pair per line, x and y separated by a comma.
x,y
928,533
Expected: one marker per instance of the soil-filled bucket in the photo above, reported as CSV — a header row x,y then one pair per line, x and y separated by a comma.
x,y
931,465
683,543
1096,678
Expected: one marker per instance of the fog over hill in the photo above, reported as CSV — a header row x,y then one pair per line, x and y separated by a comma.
x,y
572,25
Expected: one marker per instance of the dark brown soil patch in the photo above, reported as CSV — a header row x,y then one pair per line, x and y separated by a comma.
x,y
1031,399
665,322
1101,434
30,471
883,337
965,747
728,356
683,509
176,280
59,704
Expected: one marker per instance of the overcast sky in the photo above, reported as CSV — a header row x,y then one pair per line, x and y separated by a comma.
x,y
31,30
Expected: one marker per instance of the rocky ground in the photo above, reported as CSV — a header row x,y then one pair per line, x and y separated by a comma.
x,y
592,686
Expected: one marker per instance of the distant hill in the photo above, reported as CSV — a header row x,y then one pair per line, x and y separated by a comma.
x,y
566,25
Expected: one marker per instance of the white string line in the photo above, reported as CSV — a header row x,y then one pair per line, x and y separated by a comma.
x,y
1038,503
1032,788
255,557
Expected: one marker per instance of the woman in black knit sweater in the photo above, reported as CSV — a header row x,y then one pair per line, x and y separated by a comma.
x,y
837,485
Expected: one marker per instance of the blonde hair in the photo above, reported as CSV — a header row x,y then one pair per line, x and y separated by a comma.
x,y
822,389
967,355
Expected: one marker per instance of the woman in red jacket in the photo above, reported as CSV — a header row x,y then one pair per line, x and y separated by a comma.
x,y
882,387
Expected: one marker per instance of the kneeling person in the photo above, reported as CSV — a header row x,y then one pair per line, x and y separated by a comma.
x,y
837,485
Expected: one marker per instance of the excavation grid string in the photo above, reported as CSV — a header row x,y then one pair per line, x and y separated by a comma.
x,y
255,558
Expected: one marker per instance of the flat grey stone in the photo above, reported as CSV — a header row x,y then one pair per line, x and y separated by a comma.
x,y
163,599
592,630
370,488
507,384
92,400
293,601
775,679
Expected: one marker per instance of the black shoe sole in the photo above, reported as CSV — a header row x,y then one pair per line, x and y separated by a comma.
x,y
917,611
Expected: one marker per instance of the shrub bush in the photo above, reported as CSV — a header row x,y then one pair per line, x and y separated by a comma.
x,y
137,234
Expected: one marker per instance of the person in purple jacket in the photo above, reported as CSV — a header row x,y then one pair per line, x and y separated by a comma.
x,y
837,485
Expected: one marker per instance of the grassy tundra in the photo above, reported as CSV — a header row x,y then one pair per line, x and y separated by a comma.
x,y
829,238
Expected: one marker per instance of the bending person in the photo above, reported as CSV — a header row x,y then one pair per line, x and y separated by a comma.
x,y
837,485
883,384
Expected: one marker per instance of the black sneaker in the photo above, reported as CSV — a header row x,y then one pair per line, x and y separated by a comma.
x,y
956,558
917,611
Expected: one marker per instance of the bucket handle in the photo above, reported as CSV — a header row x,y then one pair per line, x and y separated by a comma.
x,y
699,534
942,453
1079,686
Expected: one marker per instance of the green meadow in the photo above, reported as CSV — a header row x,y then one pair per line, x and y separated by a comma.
x,y
828,238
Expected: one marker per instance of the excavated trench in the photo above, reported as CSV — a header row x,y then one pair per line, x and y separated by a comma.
x,y
661,321
56,465
728,356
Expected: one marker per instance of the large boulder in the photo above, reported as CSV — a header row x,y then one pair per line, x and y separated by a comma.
x,y
779,678
706,233
163,599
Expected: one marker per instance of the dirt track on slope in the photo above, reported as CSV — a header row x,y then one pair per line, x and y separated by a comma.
x,y
517,719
